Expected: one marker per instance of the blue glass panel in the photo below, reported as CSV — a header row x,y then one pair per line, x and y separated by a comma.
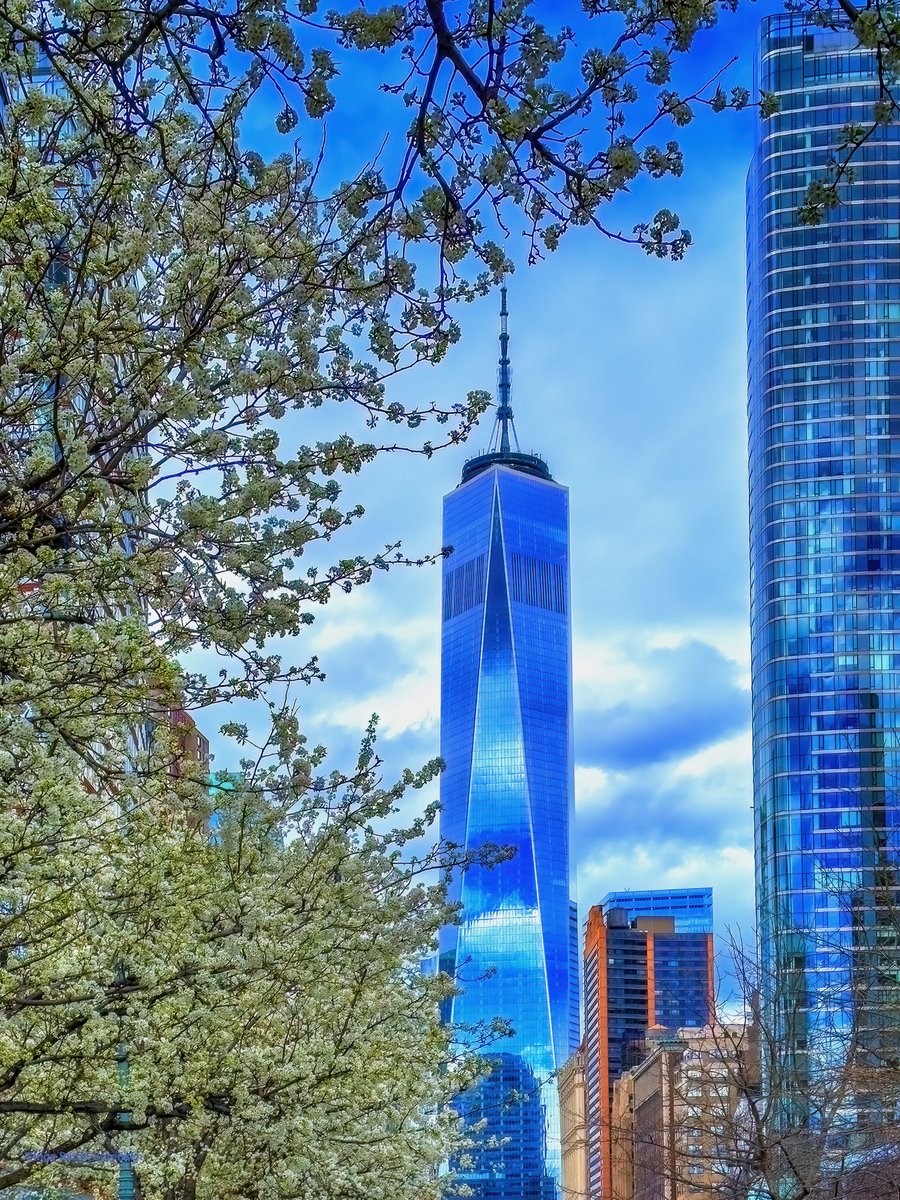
x,y
506,739
824,428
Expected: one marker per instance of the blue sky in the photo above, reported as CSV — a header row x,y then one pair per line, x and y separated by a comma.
x,y
629,379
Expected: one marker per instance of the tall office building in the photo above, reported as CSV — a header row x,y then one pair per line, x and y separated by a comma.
x,y
506,738
824,422
640,972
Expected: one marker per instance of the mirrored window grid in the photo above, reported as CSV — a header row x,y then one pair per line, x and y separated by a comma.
x,y
824,426
506,740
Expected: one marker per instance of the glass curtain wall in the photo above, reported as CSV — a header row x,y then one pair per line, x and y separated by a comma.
x,y
506,739
824,459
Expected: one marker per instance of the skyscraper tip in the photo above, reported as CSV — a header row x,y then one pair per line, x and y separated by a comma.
x,y
504,448
504,425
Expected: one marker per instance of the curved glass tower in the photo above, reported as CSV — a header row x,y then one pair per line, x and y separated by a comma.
x,y
824,424
506,738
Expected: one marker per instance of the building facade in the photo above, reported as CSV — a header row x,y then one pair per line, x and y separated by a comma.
x,y
506,738
680,1117
639,972
573,1127
824,462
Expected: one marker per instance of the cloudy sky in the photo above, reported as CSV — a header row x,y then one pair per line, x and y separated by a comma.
x,y
629,379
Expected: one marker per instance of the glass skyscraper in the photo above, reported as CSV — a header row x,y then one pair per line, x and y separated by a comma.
x,y
824,458
506,738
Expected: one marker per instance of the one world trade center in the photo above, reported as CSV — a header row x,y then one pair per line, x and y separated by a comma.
x,y
506,738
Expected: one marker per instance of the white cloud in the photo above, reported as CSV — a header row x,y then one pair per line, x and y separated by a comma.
x,y
590,781
735,752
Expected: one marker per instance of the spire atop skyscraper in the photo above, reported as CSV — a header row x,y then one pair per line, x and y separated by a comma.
x,y
504,449
504,424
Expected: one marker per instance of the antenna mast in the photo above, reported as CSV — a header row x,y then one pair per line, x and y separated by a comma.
x,y
504,424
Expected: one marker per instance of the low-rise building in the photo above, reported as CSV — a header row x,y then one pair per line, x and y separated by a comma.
x,y
677,1117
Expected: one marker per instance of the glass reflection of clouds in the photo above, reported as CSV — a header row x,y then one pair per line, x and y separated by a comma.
x,y
506,740
824,424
